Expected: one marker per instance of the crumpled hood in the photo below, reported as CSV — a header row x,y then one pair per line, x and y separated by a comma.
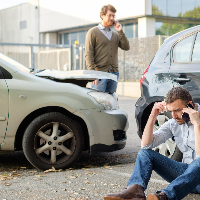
x,y
78,77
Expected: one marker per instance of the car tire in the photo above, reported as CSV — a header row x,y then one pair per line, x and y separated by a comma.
x,y
53,140
169,148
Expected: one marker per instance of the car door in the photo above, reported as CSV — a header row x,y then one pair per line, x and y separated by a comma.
x,y
4,106
185,64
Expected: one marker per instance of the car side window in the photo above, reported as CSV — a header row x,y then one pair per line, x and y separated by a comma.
x,y
182,50
1,74
196,50
4,74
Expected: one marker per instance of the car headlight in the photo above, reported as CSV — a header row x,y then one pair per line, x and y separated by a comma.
x,y
106,100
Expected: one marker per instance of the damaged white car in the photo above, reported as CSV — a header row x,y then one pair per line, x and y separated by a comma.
x,y
53,117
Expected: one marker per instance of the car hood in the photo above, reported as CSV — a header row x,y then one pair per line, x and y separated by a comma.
x,y
78,77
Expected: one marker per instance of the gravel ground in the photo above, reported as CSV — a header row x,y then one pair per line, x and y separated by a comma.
x,y
91,178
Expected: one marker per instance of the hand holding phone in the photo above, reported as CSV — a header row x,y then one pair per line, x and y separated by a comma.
x,y
185,116
117,25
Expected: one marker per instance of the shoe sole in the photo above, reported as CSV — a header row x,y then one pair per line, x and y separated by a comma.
x,y
118,198
152,197
114,198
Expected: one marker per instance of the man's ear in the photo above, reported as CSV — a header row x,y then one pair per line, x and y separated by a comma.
x,y
194,105
191,103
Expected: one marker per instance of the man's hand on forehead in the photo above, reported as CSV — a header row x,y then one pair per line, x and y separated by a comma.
x,y
159,107
164,105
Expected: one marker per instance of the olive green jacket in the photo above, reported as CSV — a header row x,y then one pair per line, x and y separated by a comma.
x,y
101,53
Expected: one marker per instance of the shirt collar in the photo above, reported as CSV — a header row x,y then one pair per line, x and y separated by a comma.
x,y
101,26
189,124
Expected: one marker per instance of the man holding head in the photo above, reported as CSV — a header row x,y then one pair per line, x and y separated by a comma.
x,y
101,48
183,177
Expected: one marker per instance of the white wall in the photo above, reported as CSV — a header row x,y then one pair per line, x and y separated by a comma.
x,y
51,38
148,7
62,14
146,27
1,30
129,89
10,23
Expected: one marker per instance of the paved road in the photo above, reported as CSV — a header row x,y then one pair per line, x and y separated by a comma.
x,y
91,178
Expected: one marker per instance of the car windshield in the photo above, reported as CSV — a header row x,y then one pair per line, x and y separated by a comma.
x,y
16,64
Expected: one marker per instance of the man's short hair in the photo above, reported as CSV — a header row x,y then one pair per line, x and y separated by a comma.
x,y
178,93
105,9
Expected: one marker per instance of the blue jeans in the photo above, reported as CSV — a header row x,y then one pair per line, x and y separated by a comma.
x,y
183,178
107,85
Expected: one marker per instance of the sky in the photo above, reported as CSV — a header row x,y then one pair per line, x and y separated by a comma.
x,y
9,3
79,8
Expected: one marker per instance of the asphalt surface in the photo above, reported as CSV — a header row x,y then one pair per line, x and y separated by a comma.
x,y
90,179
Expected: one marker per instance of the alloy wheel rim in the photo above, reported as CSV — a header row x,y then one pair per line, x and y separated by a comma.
x,y
54,143
168,148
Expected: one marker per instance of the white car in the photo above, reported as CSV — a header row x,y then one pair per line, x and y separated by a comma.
x,y
53,117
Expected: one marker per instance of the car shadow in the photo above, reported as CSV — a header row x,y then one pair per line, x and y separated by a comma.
x,y
17,161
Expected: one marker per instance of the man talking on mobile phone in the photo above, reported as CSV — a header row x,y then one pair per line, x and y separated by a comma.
x,y
183,177
101,48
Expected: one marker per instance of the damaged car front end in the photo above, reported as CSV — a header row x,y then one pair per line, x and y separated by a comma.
x,y
53,116
106,122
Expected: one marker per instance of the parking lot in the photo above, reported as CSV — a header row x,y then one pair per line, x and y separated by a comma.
x,y
91,178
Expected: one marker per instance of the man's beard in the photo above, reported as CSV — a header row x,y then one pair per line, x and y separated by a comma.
x,y
180,121
110,22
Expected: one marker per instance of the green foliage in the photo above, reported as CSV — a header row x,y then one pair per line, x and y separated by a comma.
x,y
195,13
170,28
156,11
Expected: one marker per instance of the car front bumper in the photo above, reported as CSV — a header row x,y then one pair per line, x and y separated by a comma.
x,y
107,129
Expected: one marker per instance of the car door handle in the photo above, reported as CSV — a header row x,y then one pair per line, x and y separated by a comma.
x,y
181,79
2,118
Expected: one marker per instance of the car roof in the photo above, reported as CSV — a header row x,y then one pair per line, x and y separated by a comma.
x,y
164,50
183,33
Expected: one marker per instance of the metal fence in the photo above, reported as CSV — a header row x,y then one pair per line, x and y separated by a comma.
x,y
131,63
40,56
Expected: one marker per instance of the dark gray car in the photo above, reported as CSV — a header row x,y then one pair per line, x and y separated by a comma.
x,y
177,63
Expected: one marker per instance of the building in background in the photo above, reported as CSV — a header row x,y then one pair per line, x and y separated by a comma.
x,y
146,23
64,22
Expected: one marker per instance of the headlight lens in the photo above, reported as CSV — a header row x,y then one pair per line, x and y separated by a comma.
x,y
106,100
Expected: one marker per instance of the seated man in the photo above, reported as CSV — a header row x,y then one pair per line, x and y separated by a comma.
x,y
184,177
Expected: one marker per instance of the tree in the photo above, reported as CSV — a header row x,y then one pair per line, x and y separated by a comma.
x,y
193,13
170,28
156,11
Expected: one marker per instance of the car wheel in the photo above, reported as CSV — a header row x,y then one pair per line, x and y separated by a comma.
x,y
169,148
53,140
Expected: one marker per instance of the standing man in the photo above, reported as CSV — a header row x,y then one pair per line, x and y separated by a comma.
x,y
101,48
183,177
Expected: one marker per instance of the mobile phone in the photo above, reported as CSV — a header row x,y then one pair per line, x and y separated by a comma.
x,y
114,22
185,116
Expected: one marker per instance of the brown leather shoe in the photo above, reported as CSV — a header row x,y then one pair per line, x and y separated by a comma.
x,y
133,192
157,196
